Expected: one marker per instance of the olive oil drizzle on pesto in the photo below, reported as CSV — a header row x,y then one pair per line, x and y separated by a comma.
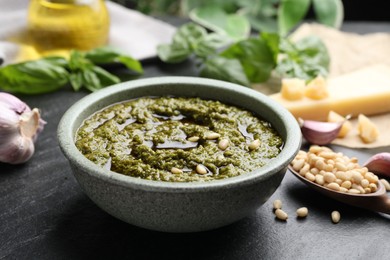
x,y
177,139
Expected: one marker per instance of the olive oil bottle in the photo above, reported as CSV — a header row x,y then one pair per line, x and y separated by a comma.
x,y
61,25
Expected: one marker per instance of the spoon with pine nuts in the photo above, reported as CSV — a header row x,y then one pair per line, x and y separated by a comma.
x,y
341,178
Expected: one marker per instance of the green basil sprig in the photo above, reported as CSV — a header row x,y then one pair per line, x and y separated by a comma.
x,y
52,73
247,61
34,77
188,40
305,59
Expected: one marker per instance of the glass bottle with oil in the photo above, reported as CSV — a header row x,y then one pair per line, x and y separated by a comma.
x,y
62,25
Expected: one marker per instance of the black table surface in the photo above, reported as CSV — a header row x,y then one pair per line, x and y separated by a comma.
x,y
45,215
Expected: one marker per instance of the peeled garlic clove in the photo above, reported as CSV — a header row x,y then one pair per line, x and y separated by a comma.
x,y
19,128
319,133
379,164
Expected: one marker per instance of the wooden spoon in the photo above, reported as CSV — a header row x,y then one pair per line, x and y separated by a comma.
x,y
376,201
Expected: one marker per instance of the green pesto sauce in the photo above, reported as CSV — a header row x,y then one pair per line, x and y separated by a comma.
x,y
147,137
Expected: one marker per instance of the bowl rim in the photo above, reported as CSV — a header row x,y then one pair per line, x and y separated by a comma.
x,y
65,137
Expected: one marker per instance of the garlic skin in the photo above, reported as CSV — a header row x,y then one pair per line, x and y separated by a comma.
x,y
19,129
379,164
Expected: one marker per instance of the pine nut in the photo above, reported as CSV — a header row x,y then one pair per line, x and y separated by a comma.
x,y
341,166
364,183
277,204
320,165
305,169
358,187
320,179
386,184
346,184
310,176
302,212
353,191
201,169
254,145
315,149
298,164
341,175
193,138
175,170
223,144
335,216
280,214
342,189
373,187
314,171
370,177
335,171
356,177
328,167
212,136
327,155
333,186
329,177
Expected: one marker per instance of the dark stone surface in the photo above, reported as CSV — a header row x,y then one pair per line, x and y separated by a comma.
x,y
45,215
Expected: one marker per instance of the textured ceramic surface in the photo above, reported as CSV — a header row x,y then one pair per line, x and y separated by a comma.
x,y
179,207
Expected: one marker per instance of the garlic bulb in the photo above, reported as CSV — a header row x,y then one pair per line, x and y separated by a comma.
x,y
19,128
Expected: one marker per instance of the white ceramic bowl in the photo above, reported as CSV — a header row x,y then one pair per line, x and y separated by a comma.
x,y
180,207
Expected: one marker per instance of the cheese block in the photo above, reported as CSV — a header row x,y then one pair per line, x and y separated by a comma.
x,y
365,91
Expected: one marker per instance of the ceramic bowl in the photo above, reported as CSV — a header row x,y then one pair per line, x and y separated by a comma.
x,y
179,207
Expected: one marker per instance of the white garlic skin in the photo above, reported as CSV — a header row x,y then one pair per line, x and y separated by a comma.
x,y
19,128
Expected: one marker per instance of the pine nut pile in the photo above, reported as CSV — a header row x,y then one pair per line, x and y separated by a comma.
x,y
334,171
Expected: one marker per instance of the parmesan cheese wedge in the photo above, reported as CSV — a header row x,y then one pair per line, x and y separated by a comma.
x,y
365,91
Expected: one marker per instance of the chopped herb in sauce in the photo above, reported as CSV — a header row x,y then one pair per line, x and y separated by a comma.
x,y
177,139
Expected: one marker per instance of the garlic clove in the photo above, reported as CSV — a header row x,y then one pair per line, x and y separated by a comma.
x,y
19,128
379,164
319,133
30,123
18,150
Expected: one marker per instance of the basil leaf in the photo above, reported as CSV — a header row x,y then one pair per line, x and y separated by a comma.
x,y
76,80
313,51
189,35
173,53
185,41
304,59
105,78
77,61
290,13
131,63
263,23
255,56
104,55
34,77
225,69
218,20
210,44
91,80
273,42
85,73
330,12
